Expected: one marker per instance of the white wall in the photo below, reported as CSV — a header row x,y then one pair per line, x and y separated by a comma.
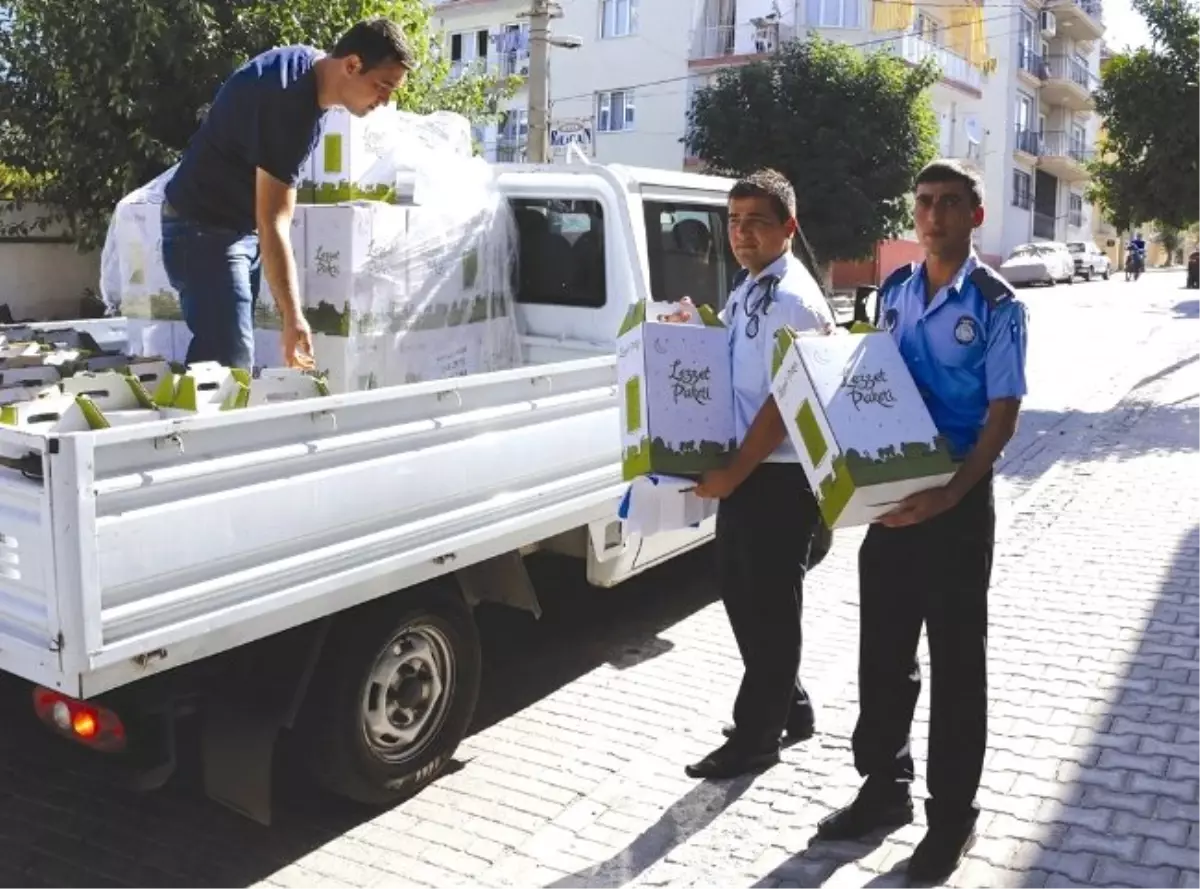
x,y
45,281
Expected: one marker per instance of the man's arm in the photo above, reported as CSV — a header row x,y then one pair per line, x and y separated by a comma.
x,y
1004,365
274,206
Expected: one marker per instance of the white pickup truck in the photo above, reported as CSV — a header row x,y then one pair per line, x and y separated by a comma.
x,y
307,570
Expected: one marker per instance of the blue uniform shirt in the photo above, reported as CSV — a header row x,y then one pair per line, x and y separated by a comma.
x,y
266,115
784,293
965,349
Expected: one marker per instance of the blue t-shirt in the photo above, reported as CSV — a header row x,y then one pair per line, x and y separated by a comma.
x,y
964,348
265,115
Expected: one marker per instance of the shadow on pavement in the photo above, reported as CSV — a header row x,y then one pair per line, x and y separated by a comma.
x,y
63,822
1187,309
689,815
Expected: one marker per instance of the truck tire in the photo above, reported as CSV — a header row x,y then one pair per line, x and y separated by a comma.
x,y
393,696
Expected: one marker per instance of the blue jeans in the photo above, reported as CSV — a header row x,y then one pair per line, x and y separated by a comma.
x,y
217,272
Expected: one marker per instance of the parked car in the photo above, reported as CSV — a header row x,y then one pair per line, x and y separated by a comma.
x,y
1090,260
1046,262
1193,270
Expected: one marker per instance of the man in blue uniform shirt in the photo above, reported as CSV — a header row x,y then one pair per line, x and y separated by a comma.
x,y
228,211
767,515
962,334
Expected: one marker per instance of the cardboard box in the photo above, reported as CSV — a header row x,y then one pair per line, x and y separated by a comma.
x,y
339,242
863,434
676,392
266,313
349,162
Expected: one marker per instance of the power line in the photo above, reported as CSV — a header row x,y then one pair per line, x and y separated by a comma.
x,y
685,77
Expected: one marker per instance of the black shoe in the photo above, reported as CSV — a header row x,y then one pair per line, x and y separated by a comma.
x,y
865,815
800,729
730,760
938,855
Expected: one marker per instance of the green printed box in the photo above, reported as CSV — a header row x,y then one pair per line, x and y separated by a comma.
x,y
863,433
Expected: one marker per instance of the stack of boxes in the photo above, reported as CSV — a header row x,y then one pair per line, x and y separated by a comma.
x,y
394,292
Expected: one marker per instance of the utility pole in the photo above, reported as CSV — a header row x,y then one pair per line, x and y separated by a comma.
x,y
540,14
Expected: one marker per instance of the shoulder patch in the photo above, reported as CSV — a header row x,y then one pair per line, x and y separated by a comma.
x,y
993,287
898,277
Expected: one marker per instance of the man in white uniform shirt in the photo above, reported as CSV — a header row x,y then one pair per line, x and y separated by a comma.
x,y
767,515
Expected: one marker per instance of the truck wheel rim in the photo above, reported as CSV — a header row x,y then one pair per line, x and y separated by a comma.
x,y
408,693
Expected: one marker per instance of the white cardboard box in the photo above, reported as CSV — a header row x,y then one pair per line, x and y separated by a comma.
x,y
348,163
676,392
859,425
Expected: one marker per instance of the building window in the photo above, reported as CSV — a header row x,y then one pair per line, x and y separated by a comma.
x,y
512,45
834,13
560,261
928,27
468,51
1075,214
512,136
689,254
614,111
618,18
1078,143
1022,189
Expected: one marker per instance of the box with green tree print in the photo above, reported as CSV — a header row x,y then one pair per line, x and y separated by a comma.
x,y
863,433
676,393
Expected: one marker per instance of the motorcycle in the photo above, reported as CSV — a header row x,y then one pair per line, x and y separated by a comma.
x,y
1135,264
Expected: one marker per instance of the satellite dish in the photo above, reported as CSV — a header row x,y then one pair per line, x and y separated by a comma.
x,y
971,126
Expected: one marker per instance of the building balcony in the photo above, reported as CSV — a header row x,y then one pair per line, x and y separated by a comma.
x,y
956,70
1028,143
1064,157
1069,83
719,45
512,64
1031,67
511,150
464,67
1078,19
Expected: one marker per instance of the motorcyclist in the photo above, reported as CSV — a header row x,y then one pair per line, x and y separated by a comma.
x,y
1137,251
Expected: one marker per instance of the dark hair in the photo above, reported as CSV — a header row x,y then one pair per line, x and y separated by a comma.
x,y
376,42
945,170
768,184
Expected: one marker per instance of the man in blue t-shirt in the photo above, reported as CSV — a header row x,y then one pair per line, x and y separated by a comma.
x,y
228,211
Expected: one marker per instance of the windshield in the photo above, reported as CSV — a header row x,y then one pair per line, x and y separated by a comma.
x,y
1030,250
1076,247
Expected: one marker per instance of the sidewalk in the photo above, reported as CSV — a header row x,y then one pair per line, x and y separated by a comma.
x,y
1093,764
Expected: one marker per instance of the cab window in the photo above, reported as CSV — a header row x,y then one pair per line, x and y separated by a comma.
x,y
689,253
560,254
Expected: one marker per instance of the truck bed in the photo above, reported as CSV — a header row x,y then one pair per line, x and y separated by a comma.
x,y
136,549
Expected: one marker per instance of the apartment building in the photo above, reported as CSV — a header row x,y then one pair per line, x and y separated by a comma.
x,y
621,95
1039,113
1014,100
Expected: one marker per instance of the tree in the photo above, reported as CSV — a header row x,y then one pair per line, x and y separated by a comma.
x,y
849,130
1170,239
98,97
1147,166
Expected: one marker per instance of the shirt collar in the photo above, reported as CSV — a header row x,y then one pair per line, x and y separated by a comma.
x,y
775,269
955,286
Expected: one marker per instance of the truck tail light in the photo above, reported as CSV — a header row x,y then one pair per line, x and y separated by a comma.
x,y
96,727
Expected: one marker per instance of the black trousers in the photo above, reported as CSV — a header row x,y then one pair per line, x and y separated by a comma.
x,y
764,531
934,574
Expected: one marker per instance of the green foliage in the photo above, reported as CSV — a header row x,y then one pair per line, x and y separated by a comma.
x,y
850,130
97,97
1147,166
1171,239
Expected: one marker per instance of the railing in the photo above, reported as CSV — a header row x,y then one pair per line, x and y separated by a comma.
x,y
463,67
1067,68
1092,8
1032,62
515,63
718,41
1029,141
510,151
1059,144
915,49
1043,226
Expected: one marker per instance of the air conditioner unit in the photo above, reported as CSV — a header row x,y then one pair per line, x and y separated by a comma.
x,y
1049,24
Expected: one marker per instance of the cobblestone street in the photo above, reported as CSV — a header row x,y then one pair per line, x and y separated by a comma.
x,y
574,776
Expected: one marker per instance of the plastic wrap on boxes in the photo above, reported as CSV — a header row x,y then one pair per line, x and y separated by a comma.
x,y
394,293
